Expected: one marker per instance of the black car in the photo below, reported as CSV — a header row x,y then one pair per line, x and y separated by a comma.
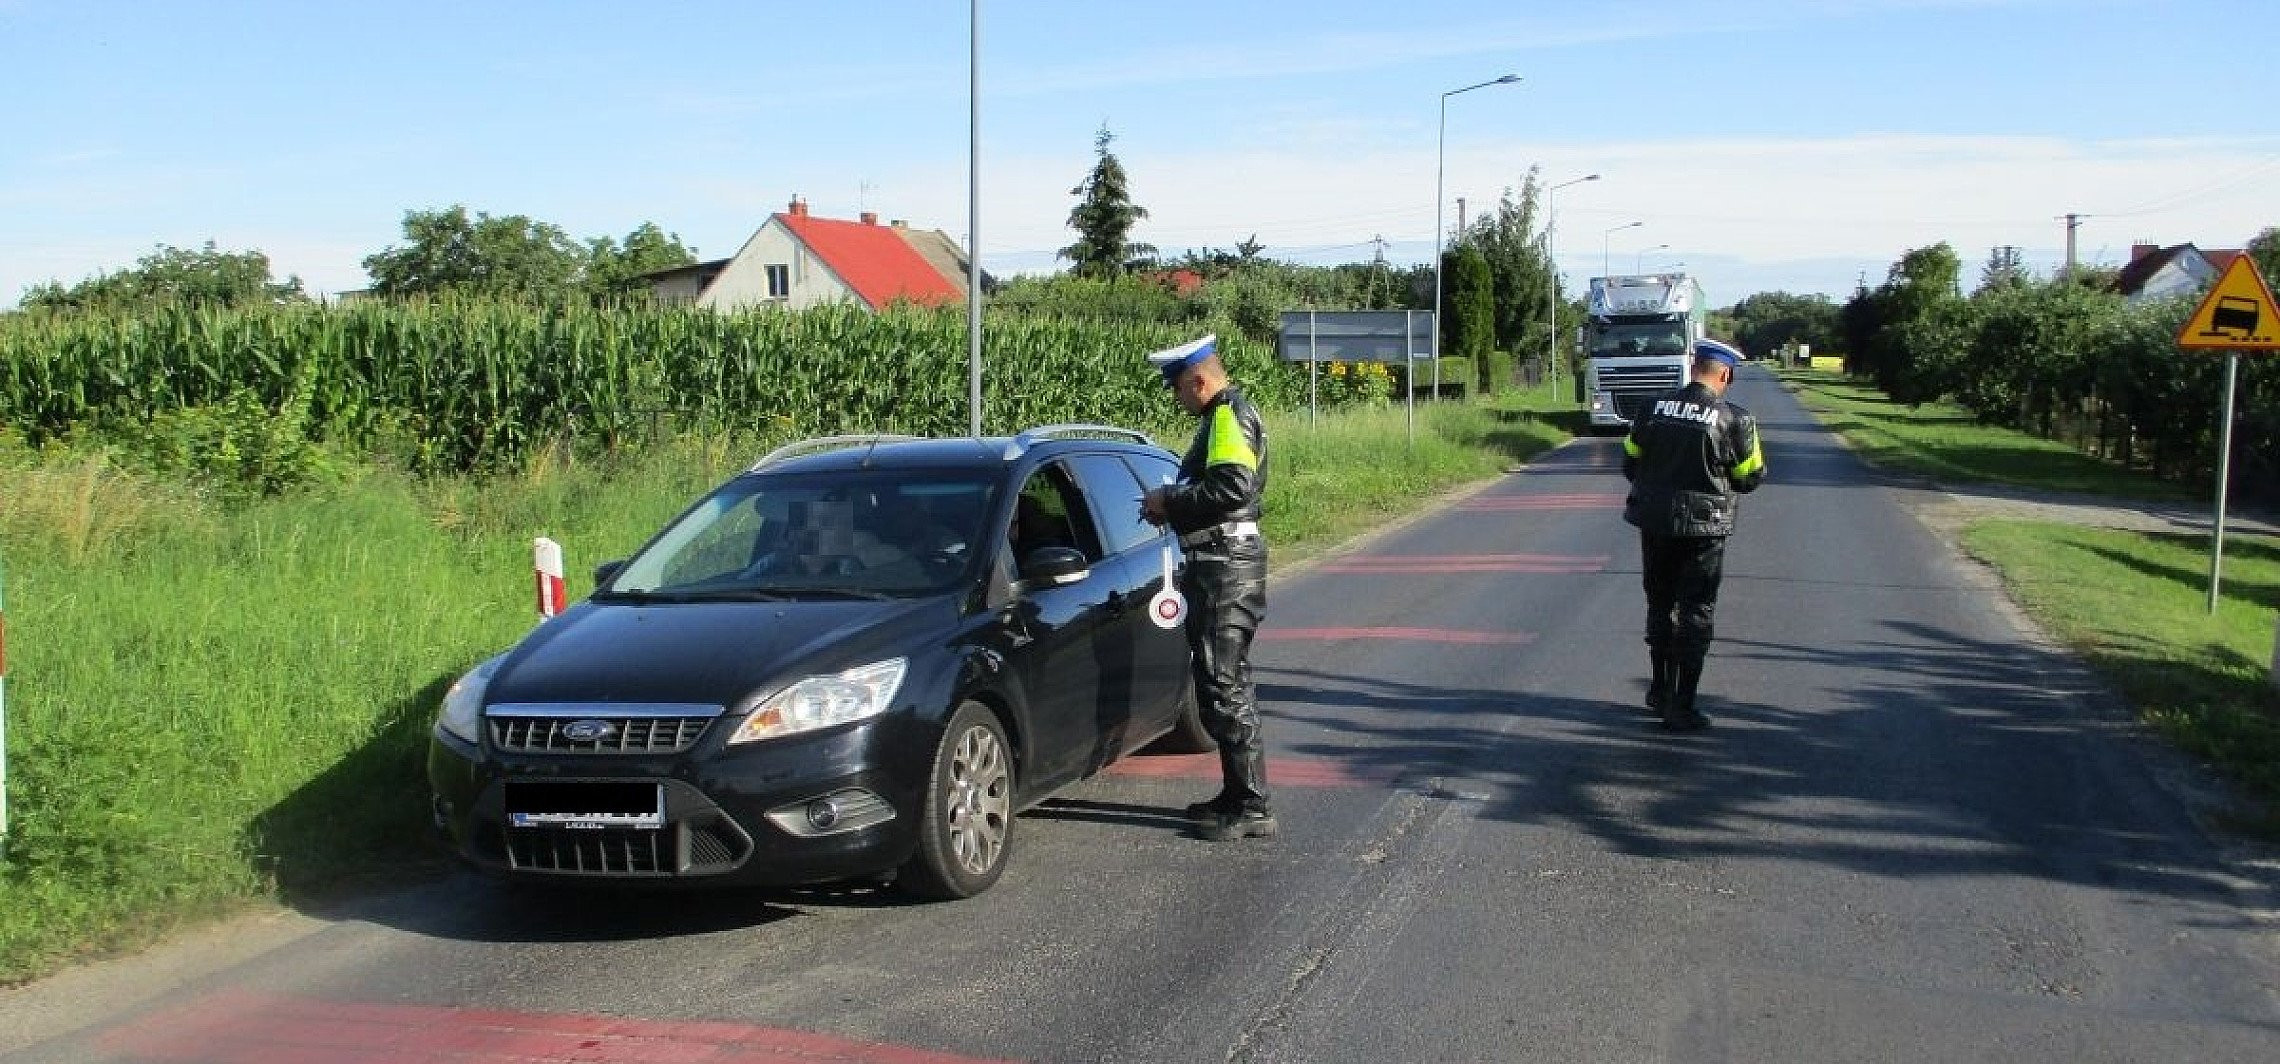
x,y
862,655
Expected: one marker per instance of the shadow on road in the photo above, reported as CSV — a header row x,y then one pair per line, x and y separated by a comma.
x,y
1952,757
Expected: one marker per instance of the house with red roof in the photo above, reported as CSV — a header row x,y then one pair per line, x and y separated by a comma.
x,y
797,260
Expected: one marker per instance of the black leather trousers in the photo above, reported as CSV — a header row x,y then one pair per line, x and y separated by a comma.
x,y
1681,574
1226,589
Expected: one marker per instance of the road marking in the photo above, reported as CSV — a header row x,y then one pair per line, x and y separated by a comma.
x,y
1282,771
248,1028
1524,503
1415,635
1469,563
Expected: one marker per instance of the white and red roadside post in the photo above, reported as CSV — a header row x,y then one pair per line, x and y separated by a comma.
x,y
546,559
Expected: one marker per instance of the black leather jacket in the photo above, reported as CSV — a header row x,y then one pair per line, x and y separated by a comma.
x,y
1224,474
1688,457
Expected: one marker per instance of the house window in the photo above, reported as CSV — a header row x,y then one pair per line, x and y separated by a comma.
x,y
779,280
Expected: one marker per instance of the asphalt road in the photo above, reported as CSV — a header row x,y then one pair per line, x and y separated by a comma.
x,y
1914,834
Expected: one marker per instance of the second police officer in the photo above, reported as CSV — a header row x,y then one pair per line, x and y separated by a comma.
x,y
1688,457
1214,508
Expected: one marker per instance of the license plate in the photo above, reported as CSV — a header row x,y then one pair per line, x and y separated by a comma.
x,y
585,804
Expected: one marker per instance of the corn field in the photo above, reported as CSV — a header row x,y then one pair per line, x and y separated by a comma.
x,y
482,384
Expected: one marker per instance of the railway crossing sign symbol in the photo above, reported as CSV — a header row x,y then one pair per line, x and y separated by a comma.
x,y
2237,315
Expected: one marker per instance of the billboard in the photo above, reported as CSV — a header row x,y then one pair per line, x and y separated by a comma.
x,y
1394,336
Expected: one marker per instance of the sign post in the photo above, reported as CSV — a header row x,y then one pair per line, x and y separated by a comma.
x,y
2237,315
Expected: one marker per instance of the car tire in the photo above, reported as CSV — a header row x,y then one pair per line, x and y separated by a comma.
x,y
966,822
1187,735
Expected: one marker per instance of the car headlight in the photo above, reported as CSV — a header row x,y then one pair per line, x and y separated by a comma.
x,y
463,705
824,701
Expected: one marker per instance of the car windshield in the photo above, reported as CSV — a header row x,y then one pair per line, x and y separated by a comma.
x,y
1649,338
866,534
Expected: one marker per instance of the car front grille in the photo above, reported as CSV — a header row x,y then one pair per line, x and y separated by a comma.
x,y
627,735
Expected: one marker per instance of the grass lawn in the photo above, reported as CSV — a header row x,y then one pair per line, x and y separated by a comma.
x,y
1946,443
210,704
2136,606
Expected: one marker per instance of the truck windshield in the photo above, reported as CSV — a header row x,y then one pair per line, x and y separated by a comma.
x,y
1649,338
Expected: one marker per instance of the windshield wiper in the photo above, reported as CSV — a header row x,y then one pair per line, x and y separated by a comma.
x,y
721,594
843,592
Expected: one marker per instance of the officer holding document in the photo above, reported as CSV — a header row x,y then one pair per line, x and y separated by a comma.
x,y
1214,508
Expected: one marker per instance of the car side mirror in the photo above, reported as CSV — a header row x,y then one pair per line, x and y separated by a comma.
x,y
607,571
1055,565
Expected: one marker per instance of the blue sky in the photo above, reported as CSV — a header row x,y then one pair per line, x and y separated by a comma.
x,y
1771,144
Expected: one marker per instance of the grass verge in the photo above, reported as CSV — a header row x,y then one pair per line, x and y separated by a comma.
x,y
211,704
1945,442
2136,606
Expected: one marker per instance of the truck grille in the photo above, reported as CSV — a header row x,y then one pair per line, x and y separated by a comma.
x,y
1633,387
627,735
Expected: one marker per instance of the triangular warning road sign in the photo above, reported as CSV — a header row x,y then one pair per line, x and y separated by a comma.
x,y
2237,315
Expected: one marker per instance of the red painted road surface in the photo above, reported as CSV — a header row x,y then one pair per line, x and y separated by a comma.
x,y
1412,635
1470,563
247,1028
1282,771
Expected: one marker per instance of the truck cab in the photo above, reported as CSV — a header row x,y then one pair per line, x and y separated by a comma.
x,y
1638,334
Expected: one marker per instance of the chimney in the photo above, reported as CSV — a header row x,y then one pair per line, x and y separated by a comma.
x,y
870,217
799,207
2139,251
899,224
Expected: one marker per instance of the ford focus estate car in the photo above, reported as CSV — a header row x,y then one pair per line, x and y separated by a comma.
x,y
860,657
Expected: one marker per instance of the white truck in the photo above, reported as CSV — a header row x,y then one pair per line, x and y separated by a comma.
x,y
1638,332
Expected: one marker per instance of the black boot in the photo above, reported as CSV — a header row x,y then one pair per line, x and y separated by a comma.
x,y
1658,688
1678,712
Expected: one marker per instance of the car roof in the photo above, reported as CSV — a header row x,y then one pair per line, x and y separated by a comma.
x,y
850,454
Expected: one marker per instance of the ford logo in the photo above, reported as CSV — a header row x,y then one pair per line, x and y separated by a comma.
x,y
588,731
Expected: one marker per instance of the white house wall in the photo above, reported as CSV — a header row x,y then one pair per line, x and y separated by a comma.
x,y
744,281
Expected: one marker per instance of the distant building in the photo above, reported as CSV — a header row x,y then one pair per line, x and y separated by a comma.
x,y
796,260
2155,272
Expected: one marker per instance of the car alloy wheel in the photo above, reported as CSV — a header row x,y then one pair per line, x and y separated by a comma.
x,y
966,826
978,802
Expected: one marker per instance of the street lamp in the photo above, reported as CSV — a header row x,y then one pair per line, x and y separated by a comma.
x,y
1606,240
1440,171
1552,290
974,218
1639,264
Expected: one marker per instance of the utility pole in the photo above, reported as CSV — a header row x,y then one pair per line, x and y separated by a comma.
x,y
2073,222
1460,217
1377,271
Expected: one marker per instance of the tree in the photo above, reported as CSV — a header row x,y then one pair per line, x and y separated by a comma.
x,y
206,277
611,267
1470,303
1522,273
1769,321
2265,251
1103,218
2005,269
446,252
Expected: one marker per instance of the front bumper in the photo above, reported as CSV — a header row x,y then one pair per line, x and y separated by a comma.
x,y
716,800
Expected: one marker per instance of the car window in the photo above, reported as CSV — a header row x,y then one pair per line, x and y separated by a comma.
x,y
1154,471
1051,512
1115,496
885,532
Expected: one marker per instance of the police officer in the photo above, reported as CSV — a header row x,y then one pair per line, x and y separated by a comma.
x,y
1688,457
1214,507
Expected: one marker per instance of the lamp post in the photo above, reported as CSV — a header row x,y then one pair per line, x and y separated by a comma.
x,y
1606,240
974,219
1639,264
1440,172
1552,290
